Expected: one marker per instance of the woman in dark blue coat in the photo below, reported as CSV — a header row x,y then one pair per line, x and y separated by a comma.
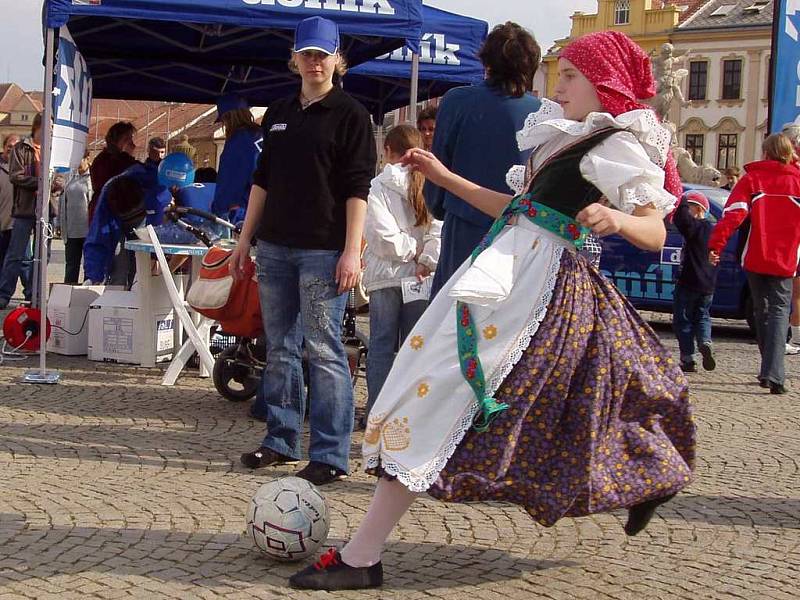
x,y
475,133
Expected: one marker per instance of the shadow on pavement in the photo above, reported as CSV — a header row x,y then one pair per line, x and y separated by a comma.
x,y
212,560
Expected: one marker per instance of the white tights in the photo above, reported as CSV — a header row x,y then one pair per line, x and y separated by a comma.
x,y
389,503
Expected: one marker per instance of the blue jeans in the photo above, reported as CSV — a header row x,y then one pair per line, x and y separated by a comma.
x,y
691,320
299,300
18,262
772,299
390,321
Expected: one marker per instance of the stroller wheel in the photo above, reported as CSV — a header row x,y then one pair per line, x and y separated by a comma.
x,y
234,376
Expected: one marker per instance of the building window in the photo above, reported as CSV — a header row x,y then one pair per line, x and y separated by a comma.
x,y
24,117
726,152
731,79
694,145
622,12
698,79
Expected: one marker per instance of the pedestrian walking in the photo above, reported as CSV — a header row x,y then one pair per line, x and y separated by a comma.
x,y
694,290
767,194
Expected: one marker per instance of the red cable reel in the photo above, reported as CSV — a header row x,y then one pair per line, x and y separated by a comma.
x,y
22,329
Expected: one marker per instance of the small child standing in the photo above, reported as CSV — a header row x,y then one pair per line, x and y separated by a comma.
x,y
691,319
402,242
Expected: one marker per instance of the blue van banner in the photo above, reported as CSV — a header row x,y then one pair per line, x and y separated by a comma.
x,y
72,104
785,77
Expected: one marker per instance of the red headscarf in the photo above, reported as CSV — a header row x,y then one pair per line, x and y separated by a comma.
x,y
622,75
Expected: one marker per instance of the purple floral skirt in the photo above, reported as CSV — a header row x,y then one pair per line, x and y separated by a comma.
x,y
599,415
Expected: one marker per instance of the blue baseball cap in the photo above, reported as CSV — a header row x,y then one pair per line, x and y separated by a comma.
x,y
229,102
316,33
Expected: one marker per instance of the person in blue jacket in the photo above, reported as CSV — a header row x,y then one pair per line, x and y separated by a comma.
x,y
131,199
475,138
239,158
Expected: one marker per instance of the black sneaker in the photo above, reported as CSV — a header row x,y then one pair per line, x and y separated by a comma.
x,y
777,388
688,367
764,383
331,573
707,352
320,474
264,457
639,515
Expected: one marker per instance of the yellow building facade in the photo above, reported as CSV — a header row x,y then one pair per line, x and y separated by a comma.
x,y
648,26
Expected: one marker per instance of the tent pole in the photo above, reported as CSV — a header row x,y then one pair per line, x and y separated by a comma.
x,y
412,106
379,140
43,376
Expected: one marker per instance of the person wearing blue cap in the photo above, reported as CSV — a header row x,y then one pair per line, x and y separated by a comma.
x,y
307,208
239,157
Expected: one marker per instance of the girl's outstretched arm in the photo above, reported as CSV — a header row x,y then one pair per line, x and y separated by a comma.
x,y
488,201
644,228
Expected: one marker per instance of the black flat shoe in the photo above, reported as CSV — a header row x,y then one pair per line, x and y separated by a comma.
x,y
763,383
331,573
265,457
777,388
639,515
707,352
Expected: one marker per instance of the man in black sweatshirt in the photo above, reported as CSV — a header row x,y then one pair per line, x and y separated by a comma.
x,y
691,319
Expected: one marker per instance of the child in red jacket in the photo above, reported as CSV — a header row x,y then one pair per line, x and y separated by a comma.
x,y
769,193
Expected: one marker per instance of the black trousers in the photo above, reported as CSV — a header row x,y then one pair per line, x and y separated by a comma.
x,y
5,238
73,254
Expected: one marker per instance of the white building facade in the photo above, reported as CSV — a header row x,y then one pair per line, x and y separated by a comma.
x,y
727,45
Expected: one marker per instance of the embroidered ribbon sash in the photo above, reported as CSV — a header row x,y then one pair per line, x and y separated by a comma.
x,y
545,217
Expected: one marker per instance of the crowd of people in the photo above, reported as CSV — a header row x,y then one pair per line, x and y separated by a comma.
x,y
525,376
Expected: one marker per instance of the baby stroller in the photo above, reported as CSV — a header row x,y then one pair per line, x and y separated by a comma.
x,y
235,306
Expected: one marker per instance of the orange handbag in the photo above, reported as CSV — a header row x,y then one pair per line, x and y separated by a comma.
x,y
232,302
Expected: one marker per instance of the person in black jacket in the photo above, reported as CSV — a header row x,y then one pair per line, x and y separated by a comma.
x,y
694,290
306,208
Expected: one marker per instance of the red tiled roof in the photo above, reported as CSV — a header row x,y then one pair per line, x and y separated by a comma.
x,y
151,119
10,95
36,99
692,6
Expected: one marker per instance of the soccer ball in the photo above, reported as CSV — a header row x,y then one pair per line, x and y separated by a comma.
x,y
288,519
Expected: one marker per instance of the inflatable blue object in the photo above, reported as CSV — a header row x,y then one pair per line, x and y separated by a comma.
x,y
176,169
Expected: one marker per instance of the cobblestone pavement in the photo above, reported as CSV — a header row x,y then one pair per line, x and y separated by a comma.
x,y
116,487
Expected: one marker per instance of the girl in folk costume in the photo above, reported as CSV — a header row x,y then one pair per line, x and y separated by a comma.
x,y
530,379
403,240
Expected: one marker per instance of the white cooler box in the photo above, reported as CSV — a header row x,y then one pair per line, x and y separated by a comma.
x,y
67,311
113,332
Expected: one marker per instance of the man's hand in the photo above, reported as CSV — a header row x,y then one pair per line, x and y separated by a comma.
x,y
713,258
347,270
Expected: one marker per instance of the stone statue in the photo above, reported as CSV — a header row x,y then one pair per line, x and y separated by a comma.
x,y
690,171
668,79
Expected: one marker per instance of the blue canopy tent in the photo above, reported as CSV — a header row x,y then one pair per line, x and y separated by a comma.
x,y
448,57
189,51
195,50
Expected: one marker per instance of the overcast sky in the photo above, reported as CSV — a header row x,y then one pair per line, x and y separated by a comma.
x,y
21,37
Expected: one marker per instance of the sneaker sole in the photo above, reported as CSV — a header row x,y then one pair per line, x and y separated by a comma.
x,y
709,363
326,482
273,464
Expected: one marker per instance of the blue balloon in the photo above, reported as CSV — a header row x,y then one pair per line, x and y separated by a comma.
x,y
176,169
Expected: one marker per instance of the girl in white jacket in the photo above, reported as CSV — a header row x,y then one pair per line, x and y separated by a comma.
x,y
402,241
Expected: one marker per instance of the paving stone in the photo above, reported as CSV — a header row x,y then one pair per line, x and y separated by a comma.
x,y
117,487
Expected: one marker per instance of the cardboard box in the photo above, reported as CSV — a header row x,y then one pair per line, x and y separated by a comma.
x,y
67,311
115,334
